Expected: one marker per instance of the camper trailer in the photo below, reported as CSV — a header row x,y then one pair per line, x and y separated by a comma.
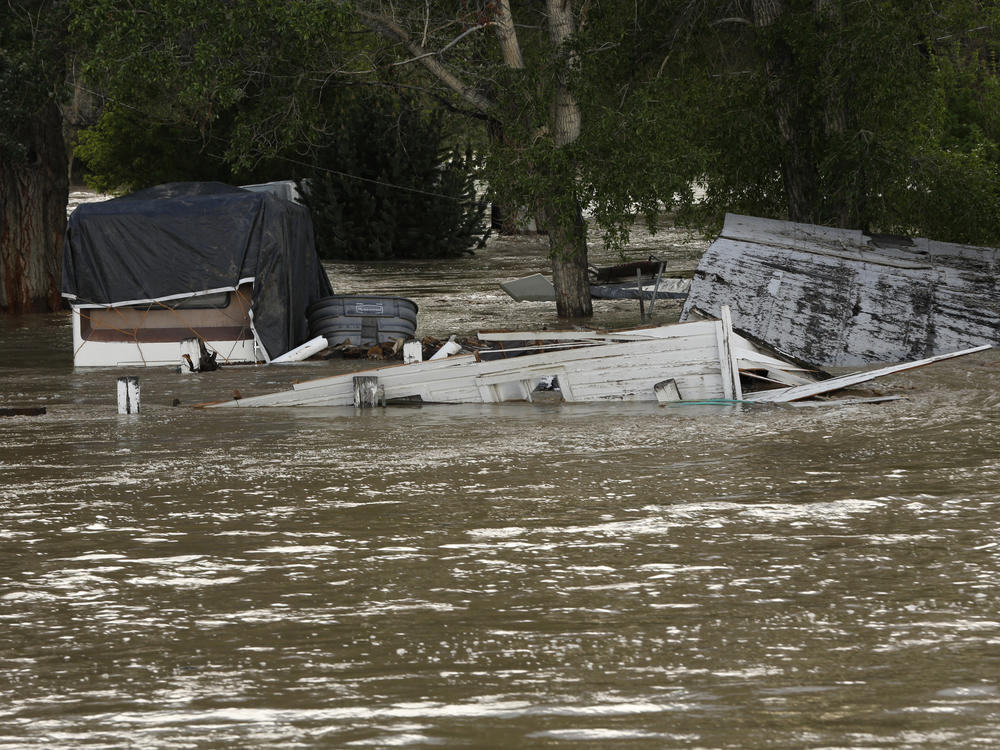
x,y
185,267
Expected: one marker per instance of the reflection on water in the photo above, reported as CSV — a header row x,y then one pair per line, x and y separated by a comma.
x,y
492,576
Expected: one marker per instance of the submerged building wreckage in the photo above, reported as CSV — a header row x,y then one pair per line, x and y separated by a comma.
x,y
695,361
817,296
842,298
771,302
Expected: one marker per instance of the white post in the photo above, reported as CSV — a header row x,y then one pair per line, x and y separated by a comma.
x,y
413,351
367,391
128,395
729,362
190,355
666,391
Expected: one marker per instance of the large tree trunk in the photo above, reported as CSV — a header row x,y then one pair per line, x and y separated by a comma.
x,y
568,254
563,215
33,197
798,165
506,218
560,214
503,22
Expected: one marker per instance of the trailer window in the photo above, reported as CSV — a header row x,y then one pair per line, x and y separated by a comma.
x,y
202,302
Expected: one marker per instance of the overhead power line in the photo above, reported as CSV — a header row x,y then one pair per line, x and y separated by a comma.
x,y
346,175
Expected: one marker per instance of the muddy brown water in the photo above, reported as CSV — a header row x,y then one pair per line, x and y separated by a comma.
x,y
547,575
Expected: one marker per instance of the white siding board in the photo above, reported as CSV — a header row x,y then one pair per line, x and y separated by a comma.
x,y
798,392
687,353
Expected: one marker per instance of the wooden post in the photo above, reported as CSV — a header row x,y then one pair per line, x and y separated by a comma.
x,y
413,351
638,289
128,395
367,392
727,361
656,288
667,391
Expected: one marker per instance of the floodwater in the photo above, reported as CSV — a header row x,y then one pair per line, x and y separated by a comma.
x,y
508,576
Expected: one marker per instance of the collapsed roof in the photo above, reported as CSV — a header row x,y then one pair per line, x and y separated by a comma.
x,y
840,297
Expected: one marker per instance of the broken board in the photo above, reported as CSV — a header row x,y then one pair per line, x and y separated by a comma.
x,y
799,392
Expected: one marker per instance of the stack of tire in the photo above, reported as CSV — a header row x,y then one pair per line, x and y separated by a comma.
x,y
362,320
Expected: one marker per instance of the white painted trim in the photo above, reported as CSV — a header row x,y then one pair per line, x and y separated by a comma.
x,y
156,354
149,353
167,298
727,360
303,351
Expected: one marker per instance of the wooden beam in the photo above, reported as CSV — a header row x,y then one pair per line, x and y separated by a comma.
x,y
22,411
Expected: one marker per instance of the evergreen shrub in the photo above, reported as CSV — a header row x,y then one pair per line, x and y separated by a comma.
x,y
386,186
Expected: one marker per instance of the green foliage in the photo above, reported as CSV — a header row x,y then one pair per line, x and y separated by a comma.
x,y
627,161
386,186
637,154
953,186
248,76
879,114
32,69
875,115
127,151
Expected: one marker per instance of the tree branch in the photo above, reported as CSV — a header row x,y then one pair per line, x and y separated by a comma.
x,y
732,19
388,29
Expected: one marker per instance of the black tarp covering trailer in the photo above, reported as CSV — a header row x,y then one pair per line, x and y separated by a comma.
x,y
233,268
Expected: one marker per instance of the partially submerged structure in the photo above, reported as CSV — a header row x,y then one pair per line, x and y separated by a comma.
x,y
148,273
840,297
642,280
696,361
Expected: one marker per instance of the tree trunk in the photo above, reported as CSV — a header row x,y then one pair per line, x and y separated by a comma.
x,y
798,165
507,218
563,214
568,254
507,35
33,197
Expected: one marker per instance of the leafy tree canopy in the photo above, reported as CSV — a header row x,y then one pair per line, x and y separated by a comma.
x,y
248,77
878,115
32,69
127,151
874,114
